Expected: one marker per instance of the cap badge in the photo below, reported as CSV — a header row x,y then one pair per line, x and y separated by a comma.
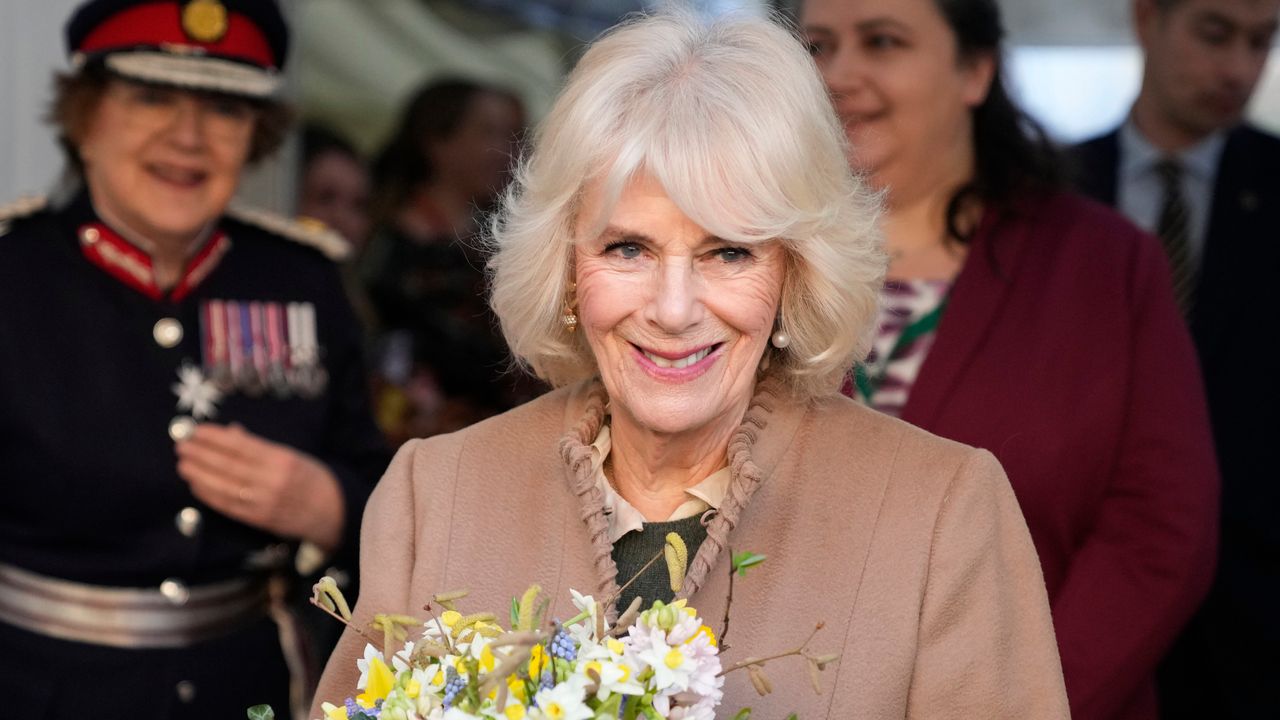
x,y
204,20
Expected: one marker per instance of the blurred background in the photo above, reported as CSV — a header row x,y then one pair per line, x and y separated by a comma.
x,y
355,62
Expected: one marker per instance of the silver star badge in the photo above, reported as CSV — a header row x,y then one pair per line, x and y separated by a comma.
x,y
197,395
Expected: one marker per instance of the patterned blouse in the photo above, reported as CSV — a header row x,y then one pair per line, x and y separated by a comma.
x,y
890,370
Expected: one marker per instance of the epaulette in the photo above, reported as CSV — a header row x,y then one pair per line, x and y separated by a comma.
x,y
306,231
20,208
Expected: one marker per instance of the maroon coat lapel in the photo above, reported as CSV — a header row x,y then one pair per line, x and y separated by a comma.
x,y
979,292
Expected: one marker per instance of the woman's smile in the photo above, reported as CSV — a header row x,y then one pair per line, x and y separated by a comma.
x,y
679,366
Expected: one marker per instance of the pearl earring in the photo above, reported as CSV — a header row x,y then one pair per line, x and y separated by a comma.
x,y
780,340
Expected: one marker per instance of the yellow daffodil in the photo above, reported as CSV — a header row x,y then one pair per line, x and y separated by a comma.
x,y
381,682
537,661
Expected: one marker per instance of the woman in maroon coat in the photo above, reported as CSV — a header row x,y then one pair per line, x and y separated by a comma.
x,y
1033,323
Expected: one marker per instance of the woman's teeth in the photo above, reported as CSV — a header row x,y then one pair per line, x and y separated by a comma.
x,y
683,362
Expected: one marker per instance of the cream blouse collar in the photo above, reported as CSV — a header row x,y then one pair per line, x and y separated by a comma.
x,y
623,517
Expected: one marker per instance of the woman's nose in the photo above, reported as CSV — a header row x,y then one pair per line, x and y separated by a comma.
x,y
188,129
676,305
843,72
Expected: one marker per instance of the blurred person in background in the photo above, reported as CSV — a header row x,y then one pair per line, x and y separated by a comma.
x,y
1187,167
442,363
334,188
183,418
1033,323
334,185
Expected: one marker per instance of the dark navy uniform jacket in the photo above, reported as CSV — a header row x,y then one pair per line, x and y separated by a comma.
x,y
90,490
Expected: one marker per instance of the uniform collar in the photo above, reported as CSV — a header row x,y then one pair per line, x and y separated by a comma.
x,y
130,261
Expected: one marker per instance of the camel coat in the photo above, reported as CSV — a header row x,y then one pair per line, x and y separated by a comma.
x,y
910,548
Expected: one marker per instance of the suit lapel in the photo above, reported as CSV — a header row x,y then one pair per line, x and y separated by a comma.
x,y
1098,167
980,290
1236,200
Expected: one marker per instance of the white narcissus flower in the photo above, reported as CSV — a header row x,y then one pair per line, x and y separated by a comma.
x,y
671,668
400,661
563,702
615,678
584,632
370,652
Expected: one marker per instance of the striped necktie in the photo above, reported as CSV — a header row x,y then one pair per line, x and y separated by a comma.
x,y
1173,229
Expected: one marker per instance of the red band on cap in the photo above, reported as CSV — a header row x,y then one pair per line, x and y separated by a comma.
x,y
160,23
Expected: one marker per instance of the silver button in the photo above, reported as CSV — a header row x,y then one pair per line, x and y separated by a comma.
x,y
175,591
186,691
188,521
89,235
167,332
181,427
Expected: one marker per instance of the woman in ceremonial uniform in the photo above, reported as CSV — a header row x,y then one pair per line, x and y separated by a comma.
x,y
182,403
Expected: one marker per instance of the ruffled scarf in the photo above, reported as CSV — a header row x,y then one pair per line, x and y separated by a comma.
x,y
745,478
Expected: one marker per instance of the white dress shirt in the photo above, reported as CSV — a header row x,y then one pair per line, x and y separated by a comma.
x,y
1140,193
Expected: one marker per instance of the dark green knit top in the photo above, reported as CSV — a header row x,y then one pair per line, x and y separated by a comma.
x,y
633,550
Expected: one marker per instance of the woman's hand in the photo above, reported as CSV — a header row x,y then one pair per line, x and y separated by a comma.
x,y
264,484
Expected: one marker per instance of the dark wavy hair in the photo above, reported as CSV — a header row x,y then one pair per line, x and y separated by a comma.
x,y
435,112
1014,158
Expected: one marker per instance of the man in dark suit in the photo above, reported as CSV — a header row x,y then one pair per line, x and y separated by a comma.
x,y
1186,167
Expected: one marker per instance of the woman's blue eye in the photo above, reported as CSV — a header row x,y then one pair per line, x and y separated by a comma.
x,y
733,254
627,250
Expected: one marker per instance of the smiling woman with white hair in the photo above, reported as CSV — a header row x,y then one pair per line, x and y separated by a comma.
x,y
686,255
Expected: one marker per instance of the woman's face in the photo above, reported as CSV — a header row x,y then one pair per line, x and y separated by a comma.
x,y
897,82
677,319
335,190
164,162
477,156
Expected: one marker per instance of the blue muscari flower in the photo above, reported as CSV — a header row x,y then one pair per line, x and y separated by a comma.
x,y
562,646
548,679
452,687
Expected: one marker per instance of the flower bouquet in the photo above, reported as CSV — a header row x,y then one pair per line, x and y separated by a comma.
x,y
661,662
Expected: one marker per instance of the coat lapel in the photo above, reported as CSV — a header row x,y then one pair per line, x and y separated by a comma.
x,y
981,288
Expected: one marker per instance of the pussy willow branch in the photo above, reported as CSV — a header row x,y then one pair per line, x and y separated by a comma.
x,y
760,661
375,642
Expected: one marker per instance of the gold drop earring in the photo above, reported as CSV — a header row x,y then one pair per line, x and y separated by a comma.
x,y
569,317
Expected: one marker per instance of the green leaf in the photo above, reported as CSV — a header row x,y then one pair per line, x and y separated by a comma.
x,y
515,612
793,716
744,560
262,712
743,714
608,710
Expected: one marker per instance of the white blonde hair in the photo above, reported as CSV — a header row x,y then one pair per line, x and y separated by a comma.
x,y
731,117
